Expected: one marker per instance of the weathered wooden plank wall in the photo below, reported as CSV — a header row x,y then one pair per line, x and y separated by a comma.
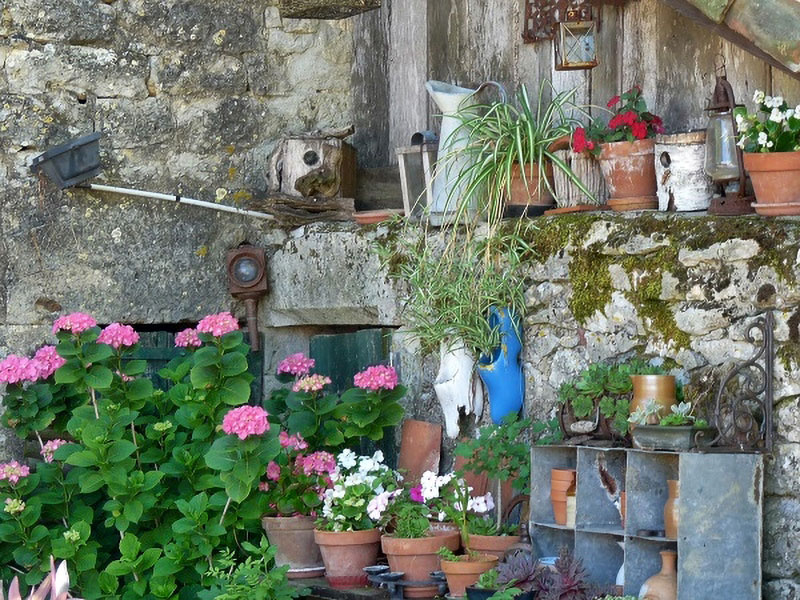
x,y
645,42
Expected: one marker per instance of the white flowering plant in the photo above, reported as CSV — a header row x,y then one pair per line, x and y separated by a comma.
x,y
360,485
777,131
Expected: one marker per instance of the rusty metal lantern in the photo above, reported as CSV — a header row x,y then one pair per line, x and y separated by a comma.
x,y
575,43
247,281
724,161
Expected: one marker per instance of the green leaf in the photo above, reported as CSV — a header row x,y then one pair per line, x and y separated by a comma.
x,y
95,353
133,510
206,357
391,414
83,458
129,546
108,583
232,339
233,364
236,489
165,567
235,391
91,482
99,377
139,389
203,377
303,422
132,368
184,525
70,372
223,454
118,568
148,559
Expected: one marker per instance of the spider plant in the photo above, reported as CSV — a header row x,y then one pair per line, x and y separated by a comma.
x,y
503,135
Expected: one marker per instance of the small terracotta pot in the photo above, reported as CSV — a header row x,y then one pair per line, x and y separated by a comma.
x,y
560,511
293,538
536,192
630,174
560,486
417,558
346,553
671,509
492,545
775,176
466,572
562,474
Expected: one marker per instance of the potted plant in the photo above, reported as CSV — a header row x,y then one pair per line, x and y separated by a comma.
x,y
679,430
513,578
346,534
294,489
410,543
625,147
511,149
772,153
566,578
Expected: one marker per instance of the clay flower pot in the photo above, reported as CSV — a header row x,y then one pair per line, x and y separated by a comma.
x,y
492,545
524,200
467,571
417,558
293,538
561,480
660,388
776,181
630,173
346,553
671,509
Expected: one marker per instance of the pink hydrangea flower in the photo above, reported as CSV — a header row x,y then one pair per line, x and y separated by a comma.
x,y
13,472
49,449
76,323
47,361
378,377
245,421
296,364
311,383
218,325
292,441
273,471
117,335
16,369
187,337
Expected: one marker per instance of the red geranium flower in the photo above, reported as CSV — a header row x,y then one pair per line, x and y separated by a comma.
x,y
615,122
613,101
579,143
639,130
629,118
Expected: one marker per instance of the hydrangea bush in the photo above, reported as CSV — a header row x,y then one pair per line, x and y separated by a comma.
x,y
136,487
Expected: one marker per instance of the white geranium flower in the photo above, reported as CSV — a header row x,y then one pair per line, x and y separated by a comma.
x,y
789,113
347,459
741,144
339,492
744,126
354,479
739,119
770,144
776,115
378,456
777,101
762,139
366,465
758,97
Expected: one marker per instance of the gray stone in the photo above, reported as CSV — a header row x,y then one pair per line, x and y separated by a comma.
x,y
637,245
783,471
134,123
197,74
721,351
787,419
699,321
76,21
727,251
781,537
782,589
619,278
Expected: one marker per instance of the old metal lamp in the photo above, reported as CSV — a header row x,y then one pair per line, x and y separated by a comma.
x,y
723,157
575,42
247,281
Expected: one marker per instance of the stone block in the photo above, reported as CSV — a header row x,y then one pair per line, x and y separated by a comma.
x,y
74,22
301,276
721,252
783,471
721,351
197,74
82,70
778,35
781,537
782,589
787,419
699,321
134,123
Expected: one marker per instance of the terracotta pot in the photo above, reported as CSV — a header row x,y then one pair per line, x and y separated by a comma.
x,y
562,474
466,572
663,585
492,545
623,507
660,388
671,509
630,174
417,558
420,449
560,486
535,194
346,553
293,538
775,177
560,511
444,527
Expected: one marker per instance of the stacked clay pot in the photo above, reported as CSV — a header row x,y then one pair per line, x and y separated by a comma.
x,y
560,481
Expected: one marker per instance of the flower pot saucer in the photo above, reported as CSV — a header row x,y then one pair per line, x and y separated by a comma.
x,y
370,217
308,573
577,208
786,209
634,203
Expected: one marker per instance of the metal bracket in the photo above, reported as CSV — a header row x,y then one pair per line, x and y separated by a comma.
x,y
543,16
743,416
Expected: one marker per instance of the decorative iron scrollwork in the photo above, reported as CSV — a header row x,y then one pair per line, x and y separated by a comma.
x,y
543,16
743,404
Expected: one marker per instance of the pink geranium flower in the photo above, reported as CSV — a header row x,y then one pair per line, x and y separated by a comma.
x,y
218,325
117,335
13,472
245,421
311,383
47,361
76,323
416,493
187,337
16,369
296,364
376,378
273,471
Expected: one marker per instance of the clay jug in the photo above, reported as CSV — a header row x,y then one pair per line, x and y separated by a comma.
x,y
662,585
660,388
671,509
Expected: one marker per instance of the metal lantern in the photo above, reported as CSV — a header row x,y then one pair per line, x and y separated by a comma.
x,y
723,157
575,43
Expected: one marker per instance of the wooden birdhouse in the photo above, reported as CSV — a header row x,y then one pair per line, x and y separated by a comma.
x,y
314,167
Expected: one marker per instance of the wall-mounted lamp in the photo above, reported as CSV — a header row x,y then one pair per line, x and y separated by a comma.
x,y
247,281
575,42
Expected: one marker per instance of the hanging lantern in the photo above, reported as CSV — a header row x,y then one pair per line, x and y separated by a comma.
x,y
575,42
723,157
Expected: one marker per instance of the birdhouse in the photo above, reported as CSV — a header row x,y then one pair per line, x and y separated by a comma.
x,y
314,167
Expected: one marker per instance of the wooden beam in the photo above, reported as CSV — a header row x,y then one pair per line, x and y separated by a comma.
x,y
694,13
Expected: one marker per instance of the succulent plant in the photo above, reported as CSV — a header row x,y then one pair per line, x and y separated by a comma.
x,y
56,584
519,569
566,582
